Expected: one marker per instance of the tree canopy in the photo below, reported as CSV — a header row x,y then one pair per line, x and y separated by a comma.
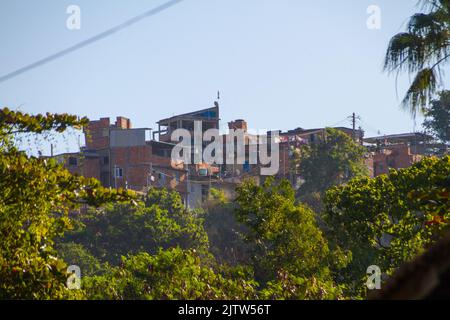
x,y
265,244
333,160
437,117
36,196
390,219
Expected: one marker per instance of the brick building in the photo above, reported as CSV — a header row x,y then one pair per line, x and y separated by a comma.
x,y
400,150
121,156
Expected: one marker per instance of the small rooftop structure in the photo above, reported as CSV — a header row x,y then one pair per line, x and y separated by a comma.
x,y
209,118
239,124
204,114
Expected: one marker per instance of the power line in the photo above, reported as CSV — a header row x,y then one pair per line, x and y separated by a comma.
x,y
333,125
91,40
371,128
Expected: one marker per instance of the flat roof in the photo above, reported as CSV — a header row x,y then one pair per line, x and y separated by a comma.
x,y
400,137
194,115
123,129
300,131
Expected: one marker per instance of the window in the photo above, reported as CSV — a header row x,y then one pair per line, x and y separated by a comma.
x,y
118,172
105,160
161,151
73,161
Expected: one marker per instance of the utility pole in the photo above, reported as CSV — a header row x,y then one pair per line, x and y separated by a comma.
x,y
354,126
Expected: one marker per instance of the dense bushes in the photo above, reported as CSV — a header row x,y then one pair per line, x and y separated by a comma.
x,y
264,245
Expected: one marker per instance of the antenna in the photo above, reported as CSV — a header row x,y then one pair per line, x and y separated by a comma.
x,y
218,95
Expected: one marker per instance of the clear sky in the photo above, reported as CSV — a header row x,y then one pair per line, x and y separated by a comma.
x,y
279,64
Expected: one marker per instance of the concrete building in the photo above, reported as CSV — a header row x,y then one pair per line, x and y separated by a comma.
x,y
209,118
121,156
400,150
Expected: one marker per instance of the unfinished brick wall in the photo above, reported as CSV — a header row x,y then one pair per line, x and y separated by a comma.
x,y
396,157
88,167
123,123
136,163
97,134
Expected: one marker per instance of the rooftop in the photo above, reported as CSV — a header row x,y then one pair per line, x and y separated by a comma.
x,y
400,138
208,114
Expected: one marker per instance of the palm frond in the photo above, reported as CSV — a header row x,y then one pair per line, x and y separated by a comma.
x,y
421,50
405,52
421,23
421,91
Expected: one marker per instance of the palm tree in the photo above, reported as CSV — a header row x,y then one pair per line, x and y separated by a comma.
x,y
421,51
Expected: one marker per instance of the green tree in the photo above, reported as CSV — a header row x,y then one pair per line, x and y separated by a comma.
x,y
437,115
390,219
171,274
75,254
333,160
36,196
285,243
224,231
117,230
422,51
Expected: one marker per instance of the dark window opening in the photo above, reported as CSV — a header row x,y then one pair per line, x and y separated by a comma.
x,y
188,125
162,151
73,161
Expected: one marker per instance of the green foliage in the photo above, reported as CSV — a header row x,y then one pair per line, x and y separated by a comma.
x,y
117,230
437,119
224,231
290,287
76,254
14,122
170,274
217,196
421,51
36,196
265,245
284,238
331,161
388,220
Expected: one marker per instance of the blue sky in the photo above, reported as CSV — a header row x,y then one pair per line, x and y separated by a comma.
x,y
279,64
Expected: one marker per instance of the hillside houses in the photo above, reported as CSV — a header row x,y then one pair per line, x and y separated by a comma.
x,y
121,156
